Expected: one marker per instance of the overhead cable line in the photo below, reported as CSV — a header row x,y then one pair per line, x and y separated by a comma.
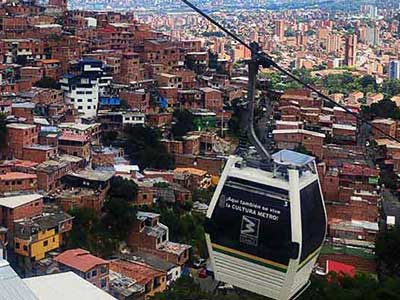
x,y
272,63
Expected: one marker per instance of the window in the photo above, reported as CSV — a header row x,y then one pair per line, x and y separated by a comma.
x,y
275,241
80,107
25,248
89,100
103,283
89,107
103,270
80,100
17,245
94,273
45,243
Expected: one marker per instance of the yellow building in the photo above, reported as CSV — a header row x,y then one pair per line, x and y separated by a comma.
x,y
35,237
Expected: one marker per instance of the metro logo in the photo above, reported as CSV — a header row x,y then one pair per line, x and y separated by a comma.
x,y
249,230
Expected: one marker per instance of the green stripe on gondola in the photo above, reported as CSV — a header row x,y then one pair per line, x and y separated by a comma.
x,y
250,258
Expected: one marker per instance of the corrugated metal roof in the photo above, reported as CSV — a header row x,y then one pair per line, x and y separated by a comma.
x,y
11,286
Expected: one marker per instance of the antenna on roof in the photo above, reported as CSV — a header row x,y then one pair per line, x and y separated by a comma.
x,y
258,57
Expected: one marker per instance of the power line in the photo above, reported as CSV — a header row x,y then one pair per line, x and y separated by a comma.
x,y
272,63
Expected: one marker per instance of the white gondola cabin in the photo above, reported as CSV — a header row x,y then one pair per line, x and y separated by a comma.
x,y
265,228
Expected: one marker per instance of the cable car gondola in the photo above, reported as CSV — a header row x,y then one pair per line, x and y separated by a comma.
x,y
265,228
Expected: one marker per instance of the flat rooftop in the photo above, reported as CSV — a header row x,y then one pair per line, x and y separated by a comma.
x,y
15,201
20,126
65,286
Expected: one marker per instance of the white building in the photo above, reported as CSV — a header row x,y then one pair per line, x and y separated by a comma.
x,y
65,286
83,90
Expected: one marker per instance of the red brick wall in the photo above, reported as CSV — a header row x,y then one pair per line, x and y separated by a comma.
x,y
330,188
19,185
37,155
212,165
8,216
19,138
213,101
102,159
26,113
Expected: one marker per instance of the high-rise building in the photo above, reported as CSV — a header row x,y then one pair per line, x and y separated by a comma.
x,y
350,51
394,69
333,43
373,36
280,29
370,11
301,39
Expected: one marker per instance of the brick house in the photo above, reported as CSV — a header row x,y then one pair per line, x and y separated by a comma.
x,y
213,165
20,136
356,208
39,153
388,126
74,144
291,138
50,172
19,207
23,110
89,267
341,116
138,99
212,99
17,181
86,188
353,230
159,119
154,280
344,134
151,236
169,80
190,99
37,236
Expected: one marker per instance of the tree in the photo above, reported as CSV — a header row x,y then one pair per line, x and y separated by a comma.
x,y
184,226
382,109
48,82
202,195
143,145
118,218
362,287
122,188
109,137
3,131
387,249
83,229
183,123
391,88
101,235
